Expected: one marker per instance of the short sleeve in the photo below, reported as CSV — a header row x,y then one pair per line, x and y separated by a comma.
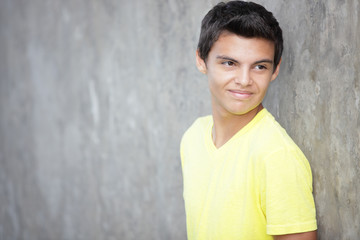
x,y
287,199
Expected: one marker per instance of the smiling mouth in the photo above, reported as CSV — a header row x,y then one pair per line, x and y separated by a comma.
x,y
238,94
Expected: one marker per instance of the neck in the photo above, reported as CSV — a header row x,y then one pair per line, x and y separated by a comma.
x,y
226,126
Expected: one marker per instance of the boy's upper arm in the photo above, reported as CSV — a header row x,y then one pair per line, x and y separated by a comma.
x,y
287,194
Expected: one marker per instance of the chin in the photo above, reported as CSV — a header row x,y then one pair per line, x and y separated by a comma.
x,y
240,112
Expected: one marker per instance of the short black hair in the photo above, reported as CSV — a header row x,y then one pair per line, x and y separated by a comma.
x,y
245,19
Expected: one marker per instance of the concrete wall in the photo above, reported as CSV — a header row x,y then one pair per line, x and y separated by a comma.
x,y
95,95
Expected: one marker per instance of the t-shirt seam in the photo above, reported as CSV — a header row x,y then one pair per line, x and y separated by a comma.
x,y
291,225
292,228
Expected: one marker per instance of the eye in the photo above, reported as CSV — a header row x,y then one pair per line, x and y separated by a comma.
x,y
228,63
260,67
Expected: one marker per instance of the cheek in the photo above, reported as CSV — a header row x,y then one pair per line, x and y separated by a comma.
x,y
214,79
216,86
213,85
263,86
219,78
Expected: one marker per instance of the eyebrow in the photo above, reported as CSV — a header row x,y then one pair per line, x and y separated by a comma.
x,y
264,61
233,60
226,58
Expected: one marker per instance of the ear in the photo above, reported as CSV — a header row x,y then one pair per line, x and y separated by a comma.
x,y
276,72
200,63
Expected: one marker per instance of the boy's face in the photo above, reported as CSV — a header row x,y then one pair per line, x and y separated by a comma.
x,y
239,72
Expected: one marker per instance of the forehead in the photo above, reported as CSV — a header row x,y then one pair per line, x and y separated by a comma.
x,y
239,47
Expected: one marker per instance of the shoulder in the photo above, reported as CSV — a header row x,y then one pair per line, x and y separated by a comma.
x,y
197,128
277,151
274,146
194,137
271,136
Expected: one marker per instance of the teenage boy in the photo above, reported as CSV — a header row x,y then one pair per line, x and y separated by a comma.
x,y
244,178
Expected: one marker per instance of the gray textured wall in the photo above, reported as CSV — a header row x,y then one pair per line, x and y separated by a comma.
x,y
95,95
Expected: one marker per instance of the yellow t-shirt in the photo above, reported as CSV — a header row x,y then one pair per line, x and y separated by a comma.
x,y
256,185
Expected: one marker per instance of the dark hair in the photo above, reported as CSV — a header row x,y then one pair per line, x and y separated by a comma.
x,y
246,19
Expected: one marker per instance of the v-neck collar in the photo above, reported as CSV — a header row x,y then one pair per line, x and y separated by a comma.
x,y
208,133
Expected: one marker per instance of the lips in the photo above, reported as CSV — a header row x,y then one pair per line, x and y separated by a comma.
x,y
240,94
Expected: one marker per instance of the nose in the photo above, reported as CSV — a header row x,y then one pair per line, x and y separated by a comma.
x,y
243,78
